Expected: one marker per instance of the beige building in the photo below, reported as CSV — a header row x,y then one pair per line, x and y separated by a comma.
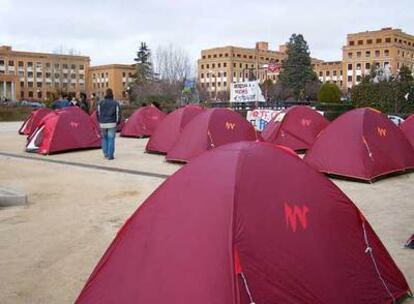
x,y
219,67
330,71
114,76
29,75
386,48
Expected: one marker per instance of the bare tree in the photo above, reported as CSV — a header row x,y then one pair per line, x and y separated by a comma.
x,y
172,64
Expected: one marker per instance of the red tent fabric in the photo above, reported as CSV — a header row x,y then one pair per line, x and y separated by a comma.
x,y
95,121
213,128
143,122
361,144
296,127
408,129
169,130
64,130
32,121
235,214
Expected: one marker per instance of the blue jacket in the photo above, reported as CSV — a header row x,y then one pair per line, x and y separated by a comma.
x,y
108,111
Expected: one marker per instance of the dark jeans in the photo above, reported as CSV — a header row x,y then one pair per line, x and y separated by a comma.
x,y
108,142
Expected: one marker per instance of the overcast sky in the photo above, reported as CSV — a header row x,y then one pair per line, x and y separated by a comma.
x,y
110,31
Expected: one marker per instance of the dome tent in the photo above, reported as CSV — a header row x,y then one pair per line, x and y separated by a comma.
x,y
169,130
33,120
408,129
64,130
212,128
227,228
296,127
361,144
143,122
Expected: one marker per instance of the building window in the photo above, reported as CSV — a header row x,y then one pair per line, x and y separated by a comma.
x,y
65,66
21,84
38,75
241,65
369,41
202,66
327,73
244,56
358,54
360,42
367,53
349,66
334,73
208,56
213,65
207,66
224,84
11,63
349,78
367,66
219,84
218,74
30,74
358,78
387,40
219,65
204,56
20,64
21,94
31,94
81,67
234,65
215,56
30,64
39,94
56,65
386,53
377,53
239,55
379,40
226,55
39,84
224,74
350,55
358,66
320,74
351,42
202,75
224,65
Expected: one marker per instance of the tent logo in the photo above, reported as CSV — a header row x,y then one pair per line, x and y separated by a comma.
x,y
74,124
230,125
292,214
382,131
306,122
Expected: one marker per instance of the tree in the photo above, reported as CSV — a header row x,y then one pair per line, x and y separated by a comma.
x,y
172,64
143,66
329,92
297,68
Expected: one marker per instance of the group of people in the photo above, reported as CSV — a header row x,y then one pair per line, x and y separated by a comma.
x,y
108,114
79,100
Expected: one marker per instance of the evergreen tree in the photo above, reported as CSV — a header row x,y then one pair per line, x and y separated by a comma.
x,y
297,68
143,66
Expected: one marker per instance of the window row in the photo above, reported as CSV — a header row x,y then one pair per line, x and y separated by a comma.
x,y
39,65
380,40
328,73
377,53
219,84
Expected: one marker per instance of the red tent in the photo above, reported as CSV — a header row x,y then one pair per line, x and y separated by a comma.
x,y
408,129
64,130
231,227
95,121
143,122
362,144
213,128
32,121
169,130
296,127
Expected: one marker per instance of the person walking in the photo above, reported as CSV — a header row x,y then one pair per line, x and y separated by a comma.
x,y
83,103
108,113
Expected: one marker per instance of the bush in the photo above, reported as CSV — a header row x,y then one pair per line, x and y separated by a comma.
x,y
329,92
14,113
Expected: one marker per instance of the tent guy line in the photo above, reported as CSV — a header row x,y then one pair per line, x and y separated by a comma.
x,y
88,166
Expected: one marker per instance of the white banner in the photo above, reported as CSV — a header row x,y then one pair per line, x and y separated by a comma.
x,y
260,118
246,92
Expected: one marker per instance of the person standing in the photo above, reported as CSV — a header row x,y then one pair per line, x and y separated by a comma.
x,y
108,113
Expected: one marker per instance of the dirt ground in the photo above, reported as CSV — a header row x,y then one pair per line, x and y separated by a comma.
x,y
49,247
